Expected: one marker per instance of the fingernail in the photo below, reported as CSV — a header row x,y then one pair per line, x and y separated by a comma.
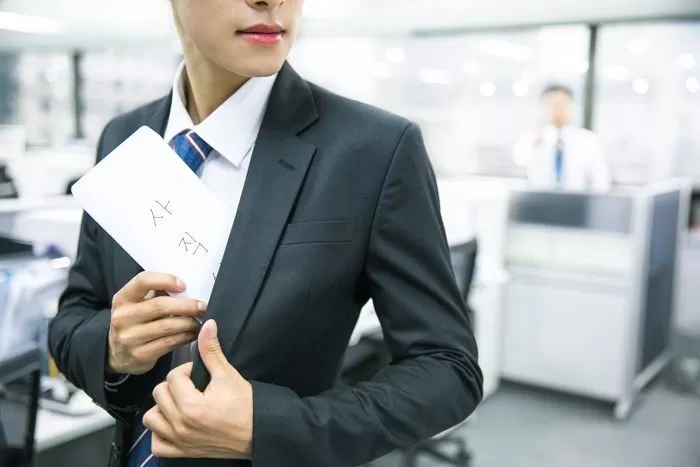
x,y
211,330
180,285
201,306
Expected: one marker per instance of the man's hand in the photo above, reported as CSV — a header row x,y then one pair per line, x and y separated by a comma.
x,y
147,323
216,423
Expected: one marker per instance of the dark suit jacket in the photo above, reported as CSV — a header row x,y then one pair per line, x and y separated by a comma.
x,y
339,205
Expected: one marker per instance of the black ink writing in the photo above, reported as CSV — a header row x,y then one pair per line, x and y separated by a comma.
x,y
190,244
165,207
159,212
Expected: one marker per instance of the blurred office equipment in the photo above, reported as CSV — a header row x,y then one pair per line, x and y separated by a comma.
x,y
47,171
593,289
8,190
37,437
41,222
13,140
450,447
44,101
69,425
29,291
116,81
19,402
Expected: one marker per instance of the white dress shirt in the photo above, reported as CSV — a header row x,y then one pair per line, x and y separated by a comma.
x,y
585,166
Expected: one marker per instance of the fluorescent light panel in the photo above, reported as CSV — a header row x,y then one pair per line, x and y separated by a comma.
x,y
27,23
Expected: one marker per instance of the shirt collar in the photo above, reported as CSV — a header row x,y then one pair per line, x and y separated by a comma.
x,y
554,131
233,127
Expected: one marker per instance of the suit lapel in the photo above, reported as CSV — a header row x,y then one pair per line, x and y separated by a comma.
x,y
155,117
277,170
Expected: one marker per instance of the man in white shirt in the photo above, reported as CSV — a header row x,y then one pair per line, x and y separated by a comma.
x,y
561,156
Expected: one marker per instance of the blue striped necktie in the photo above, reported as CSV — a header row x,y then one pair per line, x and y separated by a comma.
x,y
193,150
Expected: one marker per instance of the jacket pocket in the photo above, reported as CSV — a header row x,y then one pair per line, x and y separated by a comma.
x,y
324,231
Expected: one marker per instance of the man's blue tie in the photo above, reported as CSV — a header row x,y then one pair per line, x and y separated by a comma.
x,y
193,150
559,161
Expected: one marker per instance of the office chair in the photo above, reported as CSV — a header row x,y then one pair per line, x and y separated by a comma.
x,y
19,402
463,264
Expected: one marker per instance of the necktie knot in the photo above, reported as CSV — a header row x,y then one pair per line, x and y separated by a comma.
x,y
191,148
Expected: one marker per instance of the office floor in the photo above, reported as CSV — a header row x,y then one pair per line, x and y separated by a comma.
x,y
525,427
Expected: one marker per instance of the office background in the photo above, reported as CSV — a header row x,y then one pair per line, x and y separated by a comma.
x,y
567,269
636,82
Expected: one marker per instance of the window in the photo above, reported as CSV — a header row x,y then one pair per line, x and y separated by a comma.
x,y
473,95
648,100
114,82
40,97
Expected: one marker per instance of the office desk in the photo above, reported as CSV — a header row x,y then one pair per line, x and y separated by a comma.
x,y
41,220
76,441
54,429
58,226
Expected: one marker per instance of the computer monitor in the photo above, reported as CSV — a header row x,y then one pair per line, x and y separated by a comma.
x,y
19,402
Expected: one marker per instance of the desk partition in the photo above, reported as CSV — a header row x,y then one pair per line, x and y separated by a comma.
x,y
603,213
593,287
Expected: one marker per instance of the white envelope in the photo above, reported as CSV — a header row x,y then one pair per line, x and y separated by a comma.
x,y
158,210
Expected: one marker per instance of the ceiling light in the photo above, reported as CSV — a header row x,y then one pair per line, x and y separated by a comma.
x,y
488,89
471,67
27,23
434,76
640,86
692,84
638,46
686,61
395,55
520,88
381,70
